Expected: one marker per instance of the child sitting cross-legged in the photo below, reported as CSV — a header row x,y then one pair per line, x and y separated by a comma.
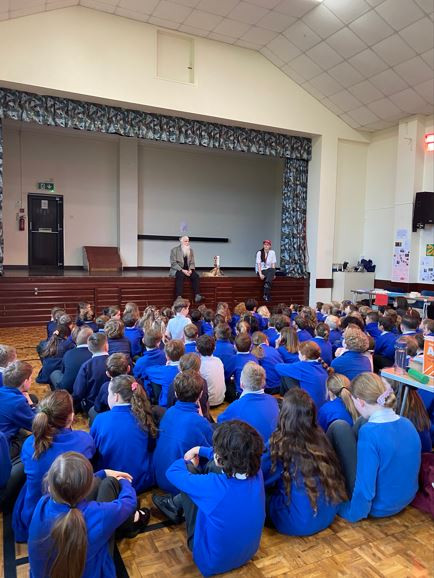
x,y
117,342
301,471
116,364
53,351
73,359
181,427
152,354
224,348
191,334
255,407
288,345
160,377
92,374
211,369
224,507
133,333
129,423
268,358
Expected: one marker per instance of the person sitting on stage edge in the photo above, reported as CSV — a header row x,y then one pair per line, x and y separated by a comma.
x,y
266,267
182,265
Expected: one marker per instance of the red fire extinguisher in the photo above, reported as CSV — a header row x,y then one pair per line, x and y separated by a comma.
x,y
21,221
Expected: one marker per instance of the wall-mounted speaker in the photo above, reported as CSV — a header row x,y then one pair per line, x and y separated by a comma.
x,y
423,212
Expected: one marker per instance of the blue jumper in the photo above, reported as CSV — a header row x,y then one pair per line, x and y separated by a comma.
x,y
71,363
5,461
287,356
272,335
149,358
190,347
373,330
181,429
91,376
101,401
331,411
295,516
385,345
102,519
162,375
311,376
65,440
326,349
91,323
388,462
351,364
123,445
15,412
230,517
268,362
135,336
120,345
236,364
49,364
304,335
259,410
224,350
207,328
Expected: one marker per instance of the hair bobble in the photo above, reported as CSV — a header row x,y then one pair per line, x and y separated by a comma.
x,y
381,399
134,386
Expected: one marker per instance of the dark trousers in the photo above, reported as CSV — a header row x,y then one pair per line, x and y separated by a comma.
x,y
55,378
287,383
269,275
380,362
179,282
343,438
16,481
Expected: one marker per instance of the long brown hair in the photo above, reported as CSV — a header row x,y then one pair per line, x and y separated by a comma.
x,y
54,413
289,339
303,449
311,350
415,411
339,385
258,338
50,348
70,480
133,393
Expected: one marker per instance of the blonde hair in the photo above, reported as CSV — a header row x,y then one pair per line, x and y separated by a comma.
x,y
339,386
258,338
369,387
355,339
263,311
240,308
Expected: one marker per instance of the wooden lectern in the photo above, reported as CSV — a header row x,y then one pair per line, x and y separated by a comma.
x,y
102,259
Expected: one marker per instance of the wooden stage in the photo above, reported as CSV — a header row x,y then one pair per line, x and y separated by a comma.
x,y
26,298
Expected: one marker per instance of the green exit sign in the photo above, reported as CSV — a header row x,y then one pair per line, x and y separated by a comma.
x,y
47,187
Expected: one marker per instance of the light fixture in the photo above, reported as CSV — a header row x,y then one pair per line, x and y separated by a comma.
x,y
429,141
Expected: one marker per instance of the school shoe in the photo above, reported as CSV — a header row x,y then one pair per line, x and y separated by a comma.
x,y
167,506
136,527
198,298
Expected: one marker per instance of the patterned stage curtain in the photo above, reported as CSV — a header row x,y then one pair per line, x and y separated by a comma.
x,y
66,113
293,243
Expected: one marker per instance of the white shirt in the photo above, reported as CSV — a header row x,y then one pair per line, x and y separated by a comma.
x,y
211,369
269,262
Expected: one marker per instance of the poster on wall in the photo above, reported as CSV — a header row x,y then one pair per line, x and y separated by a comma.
x,y
426,266
401,256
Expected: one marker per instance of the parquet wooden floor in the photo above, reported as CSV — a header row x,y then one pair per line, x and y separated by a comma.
x,y
398,547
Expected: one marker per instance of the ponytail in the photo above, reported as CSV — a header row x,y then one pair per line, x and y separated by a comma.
x,y
55,412
329,369
51,346
69,535
133,393
43,432
339,386
258,338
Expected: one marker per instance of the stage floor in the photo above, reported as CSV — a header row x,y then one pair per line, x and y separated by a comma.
x,y
126,273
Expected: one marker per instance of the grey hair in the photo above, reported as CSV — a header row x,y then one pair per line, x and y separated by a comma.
x,y
184,237
332,321
253,377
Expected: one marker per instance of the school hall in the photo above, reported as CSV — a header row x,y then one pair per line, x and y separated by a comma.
x,y
203,205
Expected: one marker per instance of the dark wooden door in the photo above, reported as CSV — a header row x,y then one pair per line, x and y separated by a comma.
x,y
45,231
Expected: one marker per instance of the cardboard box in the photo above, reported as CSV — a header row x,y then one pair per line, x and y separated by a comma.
x,y
428,356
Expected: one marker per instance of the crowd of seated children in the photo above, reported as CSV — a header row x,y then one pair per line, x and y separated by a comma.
x,y
301,471
340,404
191,333
181,427
243,345
8,355
73,525
268,357
159,378
310,373
211,369
116,364
92,374
51,436
175,326
85,316
191,361
381,458
287,345
254,406
129,423
224,503
72,360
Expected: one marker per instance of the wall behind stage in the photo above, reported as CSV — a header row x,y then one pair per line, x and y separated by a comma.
x,y
217,194
84,169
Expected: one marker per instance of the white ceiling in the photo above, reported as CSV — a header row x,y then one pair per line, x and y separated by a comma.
x,y
371,62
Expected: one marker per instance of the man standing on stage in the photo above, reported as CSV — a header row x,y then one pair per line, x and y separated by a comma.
x,y
182,265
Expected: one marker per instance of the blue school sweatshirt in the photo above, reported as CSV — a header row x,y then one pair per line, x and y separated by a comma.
x,y
120,345
373,330
268,362
101,401
224,350
65,440
311,376
149,358
102,519
181,429
190,347
331,411
119,437
259,410
236,364
15,412
135,336
385,345
162,375
5,461
304,335
351,364
91,376
272,335
51,328
388,462
1,378
71,363
91,324
49,364
287,356
230,517
335,339
326,349
295,516
207,328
